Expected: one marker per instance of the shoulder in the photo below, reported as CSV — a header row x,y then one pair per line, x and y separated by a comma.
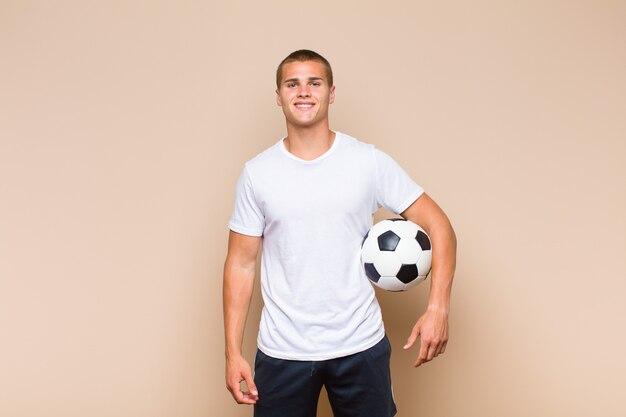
x,y
356,146
380,160
363,149
266,158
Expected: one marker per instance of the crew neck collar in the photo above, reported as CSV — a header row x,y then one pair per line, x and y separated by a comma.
x,y
281,145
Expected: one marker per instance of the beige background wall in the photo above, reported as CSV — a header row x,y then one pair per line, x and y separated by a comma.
x,y
124,126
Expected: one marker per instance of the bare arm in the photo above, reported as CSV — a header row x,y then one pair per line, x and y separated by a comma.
x,y
432,326
239,269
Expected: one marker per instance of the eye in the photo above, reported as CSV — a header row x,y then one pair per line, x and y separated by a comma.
x,y
316,83
291,84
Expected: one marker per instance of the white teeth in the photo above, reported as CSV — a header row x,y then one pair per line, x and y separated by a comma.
x,y
304,105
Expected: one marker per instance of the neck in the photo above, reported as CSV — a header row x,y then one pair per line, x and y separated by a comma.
x,y
309,142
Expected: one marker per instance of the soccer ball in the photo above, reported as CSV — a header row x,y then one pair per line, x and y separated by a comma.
x,y
396,254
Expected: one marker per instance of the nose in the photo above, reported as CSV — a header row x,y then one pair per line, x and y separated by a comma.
x,y
304,91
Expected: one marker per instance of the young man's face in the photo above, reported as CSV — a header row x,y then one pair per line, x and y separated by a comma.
x,y
304,93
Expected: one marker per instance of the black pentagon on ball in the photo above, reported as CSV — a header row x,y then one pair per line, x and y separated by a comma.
x,y
388,241
423,240
371,272
407,273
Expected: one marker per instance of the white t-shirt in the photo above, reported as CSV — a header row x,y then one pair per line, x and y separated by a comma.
x,y
313,215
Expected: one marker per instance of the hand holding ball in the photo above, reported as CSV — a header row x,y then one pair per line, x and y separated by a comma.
x,y
396,254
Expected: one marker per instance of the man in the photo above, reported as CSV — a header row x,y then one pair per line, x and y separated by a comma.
x,y
310,199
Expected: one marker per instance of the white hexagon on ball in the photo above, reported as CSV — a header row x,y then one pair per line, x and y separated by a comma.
x,y
391,284
408,251
387,263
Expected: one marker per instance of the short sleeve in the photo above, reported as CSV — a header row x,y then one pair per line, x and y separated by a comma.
x,y
247,217
395,190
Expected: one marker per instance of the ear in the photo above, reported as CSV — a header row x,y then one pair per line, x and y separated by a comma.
x,y
278,101
331,98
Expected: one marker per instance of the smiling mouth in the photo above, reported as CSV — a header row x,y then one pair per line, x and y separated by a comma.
x,y
304,106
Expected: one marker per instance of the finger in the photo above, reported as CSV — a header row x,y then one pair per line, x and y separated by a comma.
x,y
412,338
248,398
253,392
440,348
420,361
432,350
235,391
423,355
443,347
240,396
244,397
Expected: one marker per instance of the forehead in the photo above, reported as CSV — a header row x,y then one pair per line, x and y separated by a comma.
x,y
303,70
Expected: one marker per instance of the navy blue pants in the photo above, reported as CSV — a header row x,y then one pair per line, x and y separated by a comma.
x,y
358,385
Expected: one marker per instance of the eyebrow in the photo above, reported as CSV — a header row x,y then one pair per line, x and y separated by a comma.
x,y
310,79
